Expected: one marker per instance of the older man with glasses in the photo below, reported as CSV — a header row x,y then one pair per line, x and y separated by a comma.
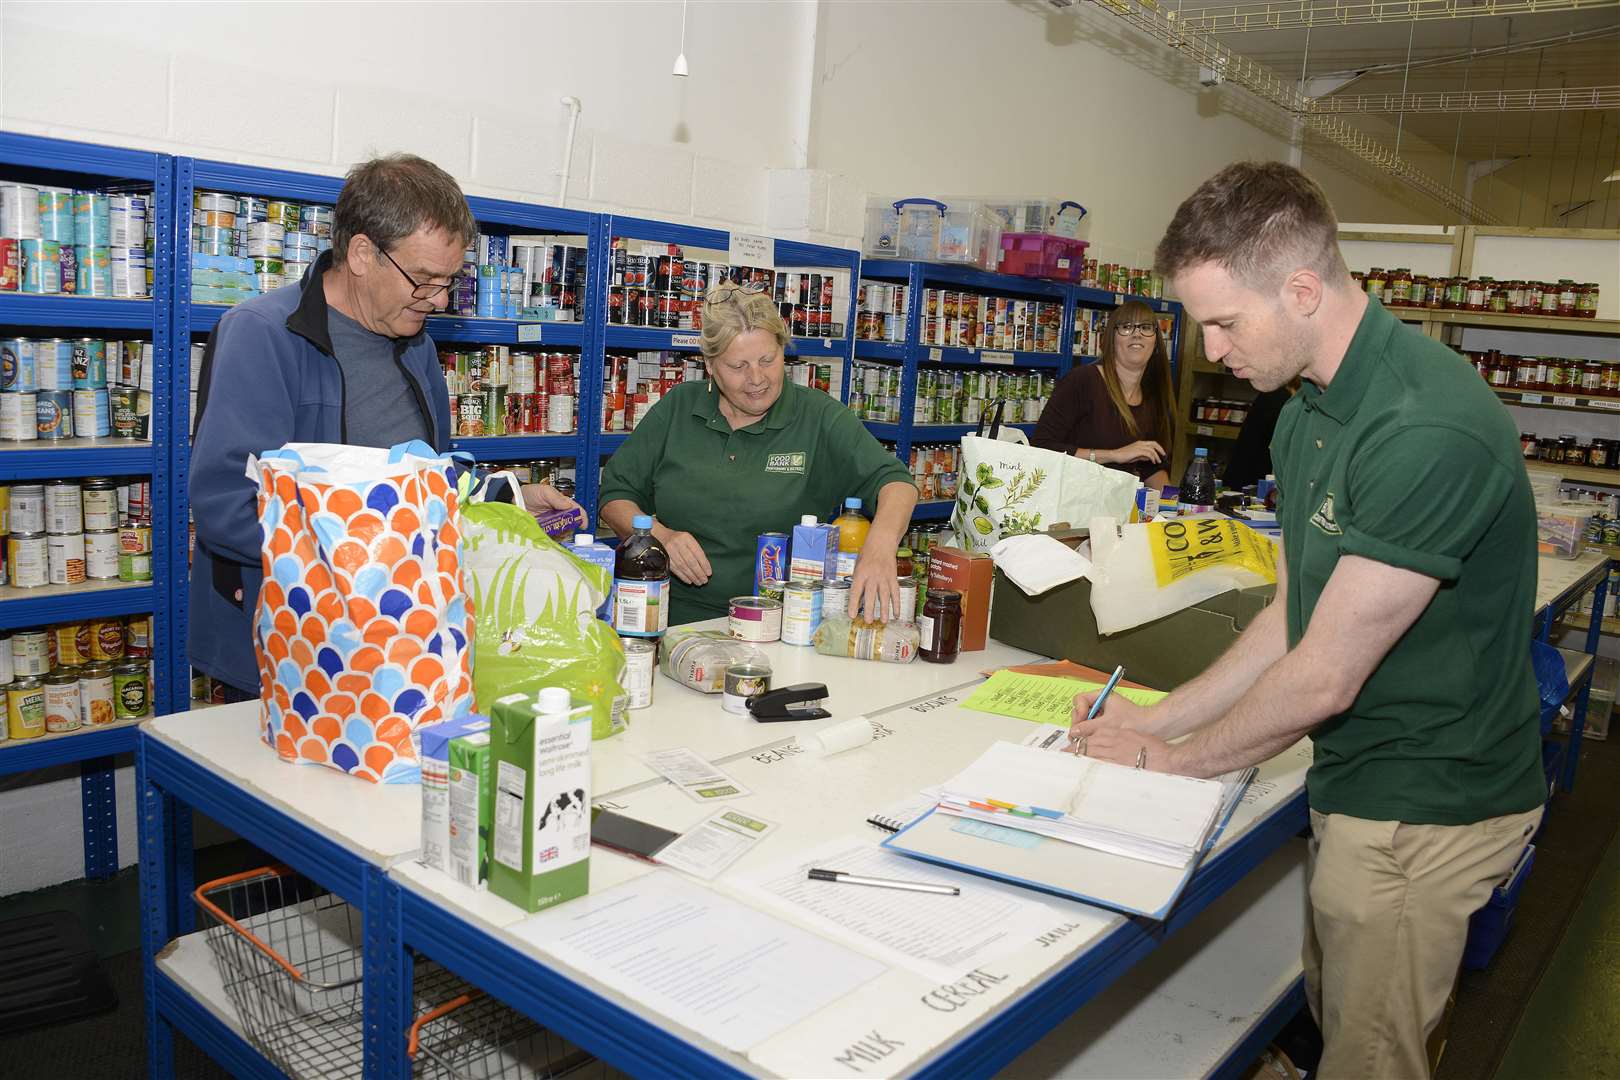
x,y
341,357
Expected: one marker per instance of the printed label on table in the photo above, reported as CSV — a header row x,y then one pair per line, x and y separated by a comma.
x,y
750,250
1565,402
694,776
683,341
715,844
529,333
996,357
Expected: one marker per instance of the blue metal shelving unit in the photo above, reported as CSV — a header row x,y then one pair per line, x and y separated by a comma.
x,y
58,162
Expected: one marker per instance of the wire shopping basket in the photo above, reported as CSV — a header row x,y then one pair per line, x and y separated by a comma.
x,y
474,1037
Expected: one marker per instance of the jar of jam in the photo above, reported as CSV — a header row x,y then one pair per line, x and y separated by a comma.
x,y
1547,450
940,627
1574,373
1514,291
1524,377
1597,453
1475,296
1400,287
1586,301
1434,293
1496,297
1527,445
1549,299
1501,373
1567,297
902,562
1530,303
1611,378
1557,374
1456,293
1569,452
1375,282
1591,377
1540,378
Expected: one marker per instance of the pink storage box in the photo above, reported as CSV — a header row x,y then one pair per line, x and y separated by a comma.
x,y
1039,255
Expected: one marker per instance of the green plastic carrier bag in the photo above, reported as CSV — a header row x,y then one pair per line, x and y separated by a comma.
x,y
534,618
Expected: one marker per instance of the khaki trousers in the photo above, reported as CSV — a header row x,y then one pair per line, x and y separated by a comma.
x,y
1385,928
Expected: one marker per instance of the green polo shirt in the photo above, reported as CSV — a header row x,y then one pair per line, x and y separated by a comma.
x,y
687,467
1408,458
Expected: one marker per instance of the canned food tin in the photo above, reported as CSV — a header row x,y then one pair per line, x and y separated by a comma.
x,y
135,539
801,612
560,414
66,558
106,639
61,700
27,511
755,618
772,589
30,653
96,695
908,599
28,556
743,681
123,407
101,555
25,709
63,508
134,566
91,418
99,499
638,671
72,644
835,597
138,636
132,697
53,364
126,221
8,670
87,365
16,365
18,417
53,414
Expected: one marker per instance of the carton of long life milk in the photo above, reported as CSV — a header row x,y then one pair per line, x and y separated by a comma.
x,y
540,752
472,798
814,555
435,740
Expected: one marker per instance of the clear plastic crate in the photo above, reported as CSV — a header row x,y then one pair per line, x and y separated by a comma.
x,y
1050,216
928,230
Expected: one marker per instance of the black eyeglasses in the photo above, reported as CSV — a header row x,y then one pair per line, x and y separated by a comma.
x,y
728,290
419,291
1137,328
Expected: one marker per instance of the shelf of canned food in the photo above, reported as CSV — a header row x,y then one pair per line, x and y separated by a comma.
x,y
947,397
70,543
75,678
87,244
54,389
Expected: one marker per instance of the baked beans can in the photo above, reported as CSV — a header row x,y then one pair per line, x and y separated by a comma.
x,y
96,695
135,539
101,555
10,264
25,709
106,639
53,414
741,682
66,554
61,694
754,618
72,642
18,417
639,655
30,653
99,499
87,365
16,365
27,511
28,556
801,612
132,690
63,507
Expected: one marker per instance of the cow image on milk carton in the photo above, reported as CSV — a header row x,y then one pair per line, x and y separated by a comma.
x,y
540,753
435,743
471,799
814,555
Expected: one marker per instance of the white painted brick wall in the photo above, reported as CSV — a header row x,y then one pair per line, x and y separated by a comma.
x,y
221,106
73,81
652,180
730,191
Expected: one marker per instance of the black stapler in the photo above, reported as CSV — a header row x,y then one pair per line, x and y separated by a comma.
x,y
801,701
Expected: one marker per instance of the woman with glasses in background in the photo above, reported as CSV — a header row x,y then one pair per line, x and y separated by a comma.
x,y
716,463
1117,412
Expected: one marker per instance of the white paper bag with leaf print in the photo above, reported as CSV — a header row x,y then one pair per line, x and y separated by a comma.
x,y
1005,489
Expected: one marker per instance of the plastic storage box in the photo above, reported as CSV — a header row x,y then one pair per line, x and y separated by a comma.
x,y
1048,216
1561,528
1031,254
932,231
1489,926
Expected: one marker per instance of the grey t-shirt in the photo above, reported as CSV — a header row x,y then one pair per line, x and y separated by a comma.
x,y
379,406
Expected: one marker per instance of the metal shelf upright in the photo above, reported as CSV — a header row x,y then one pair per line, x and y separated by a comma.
x,y
58,162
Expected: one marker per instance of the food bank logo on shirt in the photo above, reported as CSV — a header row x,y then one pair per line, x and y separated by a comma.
x,y
786,463
1323,518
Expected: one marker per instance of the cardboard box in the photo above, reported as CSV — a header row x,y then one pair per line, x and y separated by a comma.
x,y
435,742
541,818
471,802
969,574
1162,654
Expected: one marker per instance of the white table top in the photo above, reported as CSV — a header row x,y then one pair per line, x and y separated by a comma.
x,y
1555,577
381,823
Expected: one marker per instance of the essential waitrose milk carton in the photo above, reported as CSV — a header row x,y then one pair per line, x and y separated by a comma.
x,y
814,555
471,799
435,744
540,753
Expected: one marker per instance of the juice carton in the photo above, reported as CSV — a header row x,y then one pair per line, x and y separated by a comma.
x,y
472,796
436,740
540,754
815,551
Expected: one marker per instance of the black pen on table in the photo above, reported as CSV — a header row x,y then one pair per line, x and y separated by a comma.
x,y
883,883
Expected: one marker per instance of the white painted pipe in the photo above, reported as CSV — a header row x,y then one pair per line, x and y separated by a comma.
x,y
573,106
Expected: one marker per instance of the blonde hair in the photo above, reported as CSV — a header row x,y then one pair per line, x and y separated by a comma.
x,y
730,310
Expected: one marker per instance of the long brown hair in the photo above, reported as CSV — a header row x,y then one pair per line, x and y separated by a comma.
x,y
1157,392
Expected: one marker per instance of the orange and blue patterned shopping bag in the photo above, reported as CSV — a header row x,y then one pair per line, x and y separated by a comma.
x,y
364,632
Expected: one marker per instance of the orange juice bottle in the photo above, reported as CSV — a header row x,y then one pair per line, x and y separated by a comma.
x,y
852,529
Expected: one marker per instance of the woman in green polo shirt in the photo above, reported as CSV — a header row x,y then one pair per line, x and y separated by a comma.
x,y
744,452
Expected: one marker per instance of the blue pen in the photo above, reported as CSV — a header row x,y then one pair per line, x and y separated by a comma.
x,y
1108,688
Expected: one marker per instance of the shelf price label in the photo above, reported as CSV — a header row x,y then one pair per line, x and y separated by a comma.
x,y
529,333
749,250
936,354
996,358
683,341
1565,402
1205,429
1530,399
1613,405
